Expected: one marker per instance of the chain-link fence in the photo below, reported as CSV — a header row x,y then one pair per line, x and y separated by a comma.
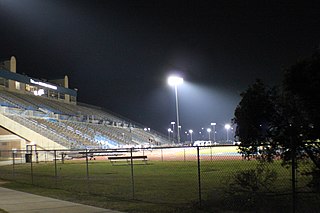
x,y
215,178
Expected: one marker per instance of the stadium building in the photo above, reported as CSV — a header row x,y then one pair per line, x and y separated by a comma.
x,y
45,115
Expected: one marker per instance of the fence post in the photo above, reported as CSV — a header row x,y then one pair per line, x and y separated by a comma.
x,y
87,170
161,155
13,162
31,164
293,174
55,167
199,177
132,177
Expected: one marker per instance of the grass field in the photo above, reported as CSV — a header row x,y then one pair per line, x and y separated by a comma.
x,y
163,185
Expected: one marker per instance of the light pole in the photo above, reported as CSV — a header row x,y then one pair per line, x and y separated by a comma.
x,y
227,127
173,123
191,131
214,131
209,130
169,131
175,81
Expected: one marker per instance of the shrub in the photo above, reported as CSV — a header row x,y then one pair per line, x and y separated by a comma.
x,y
248,187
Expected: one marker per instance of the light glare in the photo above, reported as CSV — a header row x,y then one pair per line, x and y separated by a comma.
x,y
175,80
227,126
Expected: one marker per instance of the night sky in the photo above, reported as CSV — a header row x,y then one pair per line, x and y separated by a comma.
x,y
118,54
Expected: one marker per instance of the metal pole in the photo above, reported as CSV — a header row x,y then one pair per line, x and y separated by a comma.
x,y
87,170
13,162
199,177
132,177
177,110
227,135
293,175
31,165
161,155
173,133
31,168
55,166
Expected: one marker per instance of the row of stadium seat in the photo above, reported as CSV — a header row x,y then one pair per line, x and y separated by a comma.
x,y
72,125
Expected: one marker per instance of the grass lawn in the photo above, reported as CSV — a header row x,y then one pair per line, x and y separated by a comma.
x,y
168,186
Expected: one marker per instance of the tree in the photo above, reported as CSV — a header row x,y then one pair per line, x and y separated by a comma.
x,y
287,117
253,116
301,88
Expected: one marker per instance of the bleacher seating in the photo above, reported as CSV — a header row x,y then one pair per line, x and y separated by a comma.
x,y
74,125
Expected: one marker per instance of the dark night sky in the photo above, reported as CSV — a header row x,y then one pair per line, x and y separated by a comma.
x,y
118,54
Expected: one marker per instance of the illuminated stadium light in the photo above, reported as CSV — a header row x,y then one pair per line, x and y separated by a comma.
x,y
209,130
190,131
175,81
227,127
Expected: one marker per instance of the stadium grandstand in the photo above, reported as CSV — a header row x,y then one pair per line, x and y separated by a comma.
x,y
46,114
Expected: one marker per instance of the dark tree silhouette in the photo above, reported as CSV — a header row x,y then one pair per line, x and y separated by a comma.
x,y
253,117
286,118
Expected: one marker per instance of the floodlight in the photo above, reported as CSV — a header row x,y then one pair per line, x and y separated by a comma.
x,y
175,80
227,126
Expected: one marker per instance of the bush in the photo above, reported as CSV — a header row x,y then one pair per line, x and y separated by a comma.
x,y
247,188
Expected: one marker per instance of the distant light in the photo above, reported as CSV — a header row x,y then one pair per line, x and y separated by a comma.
x,y
227,126
213,124
208,130
190,131
43,84
175,80
172,122
39,92
169,130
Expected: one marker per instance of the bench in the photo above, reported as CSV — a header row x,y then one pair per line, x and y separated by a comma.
x,y
127,159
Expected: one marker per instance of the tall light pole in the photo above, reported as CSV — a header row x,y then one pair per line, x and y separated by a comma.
x,y
209,130
214,131
191,131
169,131
175,81
227,127
173,123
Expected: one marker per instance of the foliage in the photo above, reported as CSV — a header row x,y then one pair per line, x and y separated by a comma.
x,y
314,173
247,186
253,117
287,118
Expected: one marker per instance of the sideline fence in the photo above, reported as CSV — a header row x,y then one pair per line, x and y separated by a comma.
x,y
170,175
